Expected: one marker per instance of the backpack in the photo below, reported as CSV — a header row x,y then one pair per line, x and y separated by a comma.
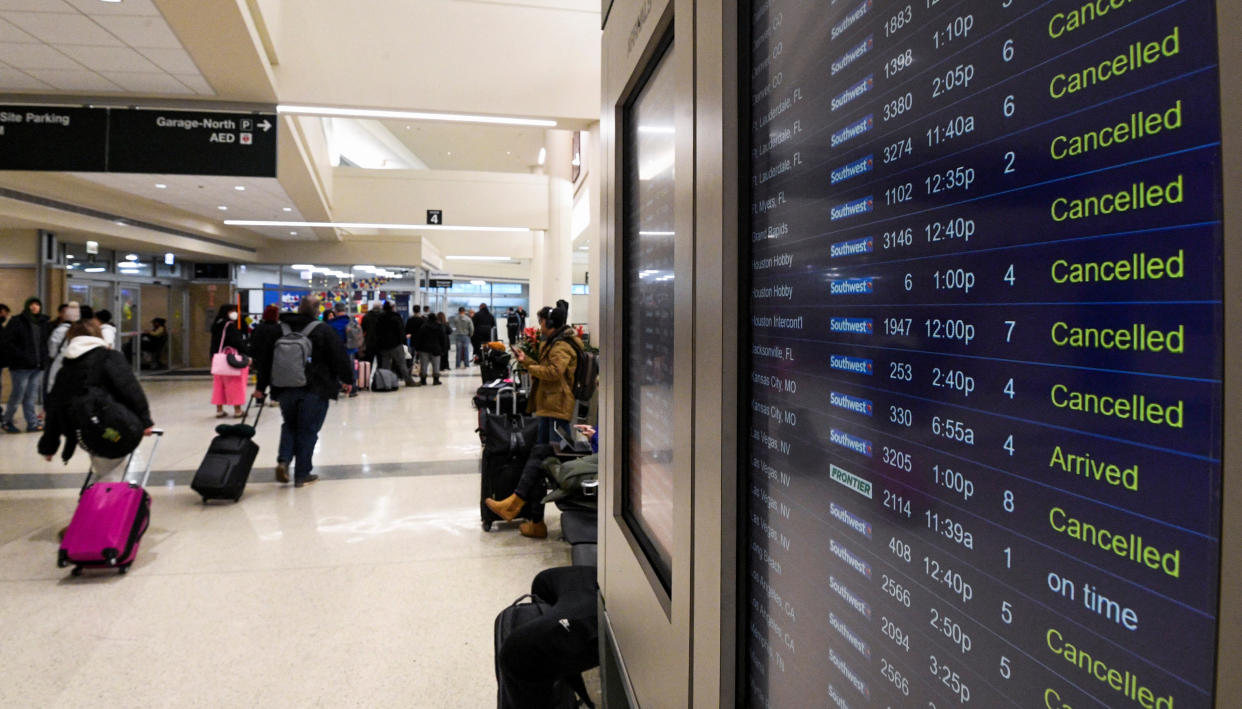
x,y
353,335
106,427
586,374
292,354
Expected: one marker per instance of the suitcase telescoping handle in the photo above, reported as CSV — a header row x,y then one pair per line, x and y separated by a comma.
x,y
246,413
500,396
159,434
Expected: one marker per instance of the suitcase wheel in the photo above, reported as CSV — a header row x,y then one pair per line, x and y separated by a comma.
x,y
77,571
122,569
487,526
204,499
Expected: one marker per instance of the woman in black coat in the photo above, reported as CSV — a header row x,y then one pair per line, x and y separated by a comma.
x,y
228,390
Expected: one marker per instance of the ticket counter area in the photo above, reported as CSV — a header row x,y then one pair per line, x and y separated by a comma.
x,y
935,317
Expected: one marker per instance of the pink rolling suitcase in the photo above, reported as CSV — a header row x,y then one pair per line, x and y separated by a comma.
x,y
108,523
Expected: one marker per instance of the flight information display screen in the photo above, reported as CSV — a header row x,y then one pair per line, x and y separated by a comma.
x,y
985,354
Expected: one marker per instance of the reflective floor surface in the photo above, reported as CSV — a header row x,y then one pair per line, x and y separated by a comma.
x,y
376,587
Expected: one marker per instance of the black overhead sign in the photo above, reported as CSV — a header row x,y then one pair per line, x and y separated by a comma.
x,y
435,216
441,283
51,138
138,140
192,142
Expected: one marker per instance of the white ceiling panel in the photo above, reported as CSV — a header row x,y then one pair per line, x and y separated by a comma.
x,y
63,28
262,198
141,32
126,7
147,82
18,80
36,5
173,61
10,33
35,56
106,59
80,80
196,82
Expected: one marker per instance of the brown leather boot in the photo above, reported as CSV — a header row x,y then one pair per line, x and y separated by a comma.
x,y
507,508
535,530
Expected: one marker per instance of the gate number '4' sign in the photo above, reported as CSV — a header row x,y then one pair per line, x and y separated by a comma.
x,y
435,216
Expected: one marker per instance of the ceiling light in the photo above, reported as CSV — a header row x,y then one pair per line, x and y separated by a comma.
x,y
656,233
370,225
450,152
412,115
478,258
302,267
170,259
240,188
293,233
121,222
70,256
161,186
287,209
95,269
543,155
223,208
478,283
109,0
131,257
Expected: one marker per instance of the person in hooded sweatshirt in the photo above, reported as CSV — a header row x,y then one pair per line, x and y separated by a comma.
x,y
89,362
106,327
302,409
56,341
25,352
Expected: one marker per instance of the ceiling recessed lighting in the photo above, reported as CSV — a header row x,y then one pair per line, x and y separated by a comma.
x,y
373,225
287,209
293,233
95,269
450,152
161,186
109,0
131,257
412,115
301,267
223,208
240,188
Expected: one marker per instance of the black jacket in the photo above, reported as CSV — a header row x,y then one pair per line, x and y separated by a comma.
x,y
444,339
369,331
413,324
232,336
329,366
483,324
430,338
389,331
514,322
99,367
25,342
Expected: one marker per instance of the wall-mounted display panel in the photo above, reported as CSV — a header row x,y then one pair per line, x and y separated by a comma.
x,y
985,362
648,446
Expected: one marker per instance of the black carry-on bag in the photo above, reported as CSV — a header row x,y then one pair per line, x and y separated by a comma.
x,y
507,441
226,468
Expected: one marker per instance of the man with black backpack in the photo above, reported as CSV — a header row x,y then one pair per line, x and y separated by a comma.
x,y
305,368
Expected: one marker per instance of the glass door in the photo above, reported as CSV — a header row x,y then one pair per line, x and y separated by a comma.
x,y
128,320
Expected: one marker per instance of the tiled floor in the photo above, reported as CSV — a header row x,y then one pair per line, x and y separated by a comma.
x,y
376,587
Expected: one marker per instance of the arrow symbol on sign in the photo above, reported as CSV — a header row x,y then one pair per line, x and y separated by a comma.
x,y
265,125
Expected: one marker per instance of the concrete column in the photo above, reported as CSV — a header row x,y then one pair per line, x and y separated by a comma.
x,y
552,266
595,162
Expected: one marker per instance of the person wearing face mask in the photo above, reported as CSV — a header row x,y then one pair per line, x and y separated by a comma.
x,y
228,390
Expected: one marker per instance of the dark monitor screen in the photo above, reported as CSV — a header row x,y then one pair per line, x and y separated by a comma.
x,y
648,446
985,355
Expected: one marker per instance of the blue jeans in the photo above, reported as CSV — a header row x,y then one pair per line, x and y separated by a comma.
x,y
463,350
25,390
545,429
303,413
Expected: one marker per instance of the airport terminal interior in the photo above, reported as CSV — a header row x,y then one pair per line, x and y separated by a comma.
x,y
675,353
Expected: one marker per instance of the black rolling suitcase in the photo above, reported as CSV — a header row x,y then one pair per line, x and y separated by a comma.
x,y
495,396
226,468
507,442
